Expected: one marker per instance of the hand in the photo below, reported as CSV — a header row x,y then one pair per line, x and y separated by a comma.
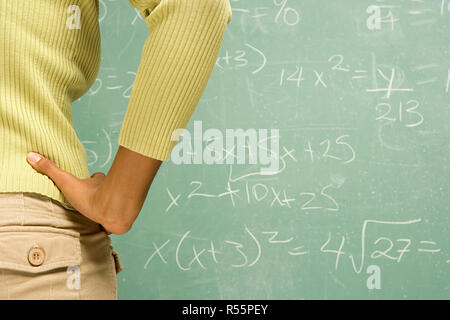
x,y
81,193
113,200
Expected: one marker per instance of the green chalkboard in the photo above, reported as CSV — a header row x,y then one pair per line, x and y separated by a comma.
x,y
356,95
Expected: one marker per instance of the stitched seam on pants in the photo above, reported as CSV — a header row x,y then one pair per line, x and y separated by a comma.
x,y
53,216
74,214
112,271
22,210
112,265
5,281
81,281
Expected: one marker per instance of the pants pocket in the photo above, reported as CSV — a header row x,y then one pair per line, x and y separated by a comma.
x,y
38,262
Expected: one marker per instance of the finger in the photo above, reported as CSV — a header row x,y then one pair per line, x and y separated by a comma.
x,y
64,180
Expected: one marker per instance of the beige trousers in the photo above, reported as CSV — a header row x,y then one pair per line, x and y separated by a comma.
x,y
50,252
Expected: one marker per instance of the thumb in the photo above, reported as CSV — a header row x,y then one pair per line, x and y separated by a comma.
x,y
63,180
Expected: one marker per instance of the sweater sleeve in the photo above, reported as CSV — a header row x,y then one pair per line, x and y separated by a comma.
x,y
177,59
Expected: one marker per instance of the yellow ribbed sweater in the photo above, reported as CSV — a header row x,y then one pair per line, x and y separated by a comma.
x,y
46,63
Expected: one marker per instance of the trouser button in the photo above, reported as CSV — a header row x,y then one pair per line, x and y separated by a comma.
x,y
36,256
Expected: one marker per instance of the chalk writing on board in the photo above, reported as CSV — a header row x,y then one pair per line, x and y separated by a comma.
x,y
308,201
363,238
205,252
417,13
359,91
387,80
241,59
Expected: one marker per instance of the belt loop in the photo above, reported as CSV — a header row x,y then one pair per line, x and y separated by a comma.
x,y
51,212
21,212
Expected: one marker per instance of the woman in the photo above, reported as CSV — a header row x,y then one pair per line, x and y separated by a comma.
x,y
55,217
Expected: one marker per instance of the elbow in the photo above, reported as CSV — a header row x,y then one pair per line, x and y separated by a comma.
x,y
118,227
117,224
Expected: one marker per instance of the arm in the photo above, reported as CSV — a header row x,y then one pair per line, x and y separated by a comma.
x,y
177,60
124,189
112,200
